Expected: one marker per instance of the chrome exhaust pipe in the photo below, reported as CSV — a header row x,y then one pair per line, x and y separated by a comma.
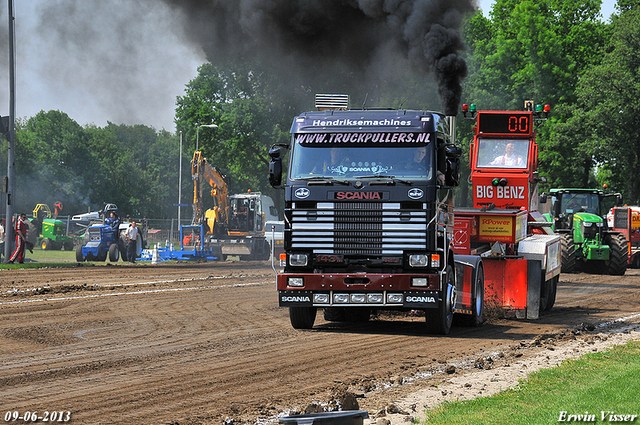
x,y
452,127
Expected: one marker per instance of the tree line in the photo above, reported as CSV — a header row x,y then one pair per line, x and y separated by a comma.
x,y
557,52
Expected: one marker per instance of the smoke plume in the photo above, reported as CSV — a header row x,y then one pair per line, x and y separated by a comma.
x,y
337,43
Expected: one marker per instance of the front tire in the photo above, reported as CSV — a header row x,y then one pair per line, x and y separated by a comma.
x,y
439,320
302,317
548,293
46,244
79,256
114,253
568,249
617,264
477,317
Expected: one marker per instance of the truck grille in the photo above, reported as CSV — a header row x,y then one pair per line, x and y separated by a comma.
x,y
366,228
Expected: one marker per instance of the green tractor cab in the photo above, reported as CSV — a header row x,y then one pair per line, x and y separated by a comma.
x,y
587,243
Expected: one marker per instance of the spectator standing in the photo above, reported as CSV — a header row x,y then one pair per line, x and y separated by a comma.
x,y
132,235
21,239
2,236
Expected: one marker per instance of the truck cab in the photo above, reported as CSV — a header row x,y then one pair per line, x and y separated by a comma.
x,y
369,218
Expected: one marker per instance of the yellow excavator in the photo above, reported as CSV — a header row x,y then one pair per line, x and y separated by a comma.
x,y
236,223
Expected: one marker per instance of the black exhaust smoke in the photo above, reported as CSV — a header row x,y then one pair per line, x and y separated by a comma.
x,y
317,41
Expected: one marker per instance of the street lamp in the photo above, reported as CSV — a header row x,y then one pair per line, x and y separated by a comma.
x,y
198,132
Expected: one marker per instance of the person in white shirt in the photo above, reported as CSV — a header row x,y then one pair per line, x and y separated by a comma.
x,y
509,159
132,235
2,238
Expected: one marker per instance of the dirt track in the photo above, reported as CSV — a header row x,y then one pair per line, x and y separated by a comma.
x,y
206,343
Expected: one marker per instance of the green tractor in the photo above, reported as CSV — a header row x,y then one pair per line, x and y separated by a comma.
x,y
51,232
587,244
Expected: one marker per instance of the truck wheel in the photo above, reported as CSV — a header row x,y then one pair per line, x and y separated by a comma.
x,y
439,319
79,256
114,253
548,293
68,245
477,317
568,253
302,317
334,314
46,244
617,264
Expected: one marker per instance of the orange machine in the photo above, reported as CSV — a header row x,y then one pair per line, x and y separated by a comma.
x,y
520,252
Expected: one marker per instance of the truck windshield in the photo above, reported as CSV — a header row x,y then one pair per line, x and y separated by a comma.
x,y
339,162
502,153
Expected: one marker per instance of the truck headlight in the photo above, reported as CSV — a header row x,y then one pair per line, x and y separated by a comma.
x,y
587,224
394,298
295,281
419,281
418,260
321,298
358,298
375,298
341,298
298,260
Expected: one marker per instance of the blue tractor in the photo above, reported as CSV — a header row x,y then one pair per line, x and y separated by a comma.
x,y
100,240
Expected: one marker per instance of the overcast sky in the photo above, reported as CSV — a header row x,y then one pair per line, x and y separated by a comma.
x,y
105,60
98,61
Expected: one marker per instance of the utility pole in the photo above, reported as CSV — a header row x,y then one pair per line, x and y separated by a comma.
x,y
180,184
11,173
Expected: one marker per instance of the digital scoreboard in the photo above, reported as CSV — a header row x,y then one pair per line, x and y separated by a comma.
x,y
513,123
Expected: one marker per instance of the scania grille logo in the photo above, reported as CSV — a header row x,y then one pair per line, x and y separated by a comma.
x,y
415,193
302,193
420,299
296,299
358,195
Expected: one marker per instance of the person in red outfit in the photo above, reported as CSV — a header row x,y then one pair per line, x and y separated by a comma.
x,y
21,239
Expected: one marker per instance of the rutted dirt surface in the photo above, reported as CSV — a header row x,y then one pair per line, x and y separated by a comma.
x,y
206,343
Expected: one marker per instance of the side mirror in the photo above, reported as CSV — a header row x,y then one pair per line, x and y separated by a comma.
x,y
542,199
619,199
275,167
452,173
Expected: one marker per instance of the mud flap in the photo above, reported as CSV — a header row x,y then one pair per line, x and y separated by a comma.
x,y
534,280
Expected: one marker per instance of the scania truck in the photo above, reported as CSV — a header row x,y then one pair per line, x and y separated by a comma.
x,y
368,222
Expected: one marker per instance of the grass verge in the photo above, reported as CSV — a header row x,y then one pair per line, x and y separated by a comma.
x,y
40,258
596,384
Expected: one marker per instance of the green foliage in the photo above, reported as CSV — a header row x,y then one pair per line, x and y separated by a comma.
x,y
250,115
131,166
607,94
540,50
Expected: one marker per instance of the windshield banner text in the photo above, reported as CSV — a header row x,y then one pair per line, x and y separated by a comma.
x,y
363,139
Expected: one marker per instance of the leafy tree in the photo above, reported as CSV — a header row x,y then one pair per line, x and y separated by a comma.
x,y
52,161
608,93
538,49
250,115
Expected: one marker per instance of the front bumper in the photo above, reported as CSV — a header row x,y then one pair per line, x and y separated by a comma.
x,y
358,290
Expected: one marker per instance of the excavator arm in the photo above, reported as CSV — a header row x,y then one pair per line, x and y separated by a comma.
x,y
201,172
